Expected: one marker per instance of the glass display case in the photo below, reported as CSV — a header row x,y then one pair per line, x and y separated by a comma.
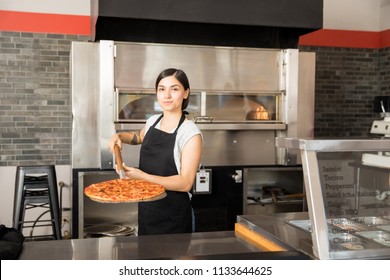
x,y
347,184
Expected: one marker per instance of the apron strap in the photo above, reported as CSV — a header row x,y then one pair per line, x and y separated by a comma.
x,y
183,117
158,119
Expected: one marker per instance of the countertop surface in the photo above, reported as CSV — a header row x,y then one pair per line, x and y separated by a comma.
x,y
203,245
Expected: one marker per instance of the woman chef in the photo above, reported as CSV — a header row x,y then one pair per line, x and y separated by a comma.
x,y
170,156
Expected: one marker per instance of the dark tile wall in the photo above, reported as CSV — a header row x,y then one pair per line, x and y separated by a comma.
x,y
35,100
347,80
384,71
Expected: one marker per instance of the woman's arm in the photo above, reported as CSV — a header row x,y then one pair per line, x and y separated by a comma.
x,y
190,160
129,137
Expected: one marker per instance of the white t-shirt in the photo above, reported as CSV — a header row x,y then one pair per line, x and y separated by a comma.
x,y
186,131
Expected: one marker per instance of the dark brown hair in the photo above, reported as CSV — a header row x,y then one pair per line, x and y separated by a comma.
x,y
181,77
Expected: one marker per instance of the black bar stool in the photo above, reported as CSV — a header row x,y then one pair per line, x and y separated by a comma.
x,y
36,186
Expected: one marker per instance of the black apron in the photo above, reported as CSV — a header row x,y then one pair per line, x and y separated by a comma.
x,y
171,214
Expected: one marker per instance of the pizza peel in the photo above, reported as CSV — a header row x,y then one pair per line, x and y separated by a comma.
x,y
119,162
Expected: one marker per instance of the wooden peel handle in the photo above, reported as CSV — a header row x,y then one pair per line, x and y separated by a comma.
x,y
118,158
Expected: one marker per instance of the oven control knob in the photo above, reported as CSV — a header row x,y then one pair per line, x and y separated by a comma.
x,y
237,177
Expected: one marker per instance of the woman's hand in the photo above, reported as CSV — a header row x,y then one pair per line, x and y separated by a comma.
x,y
134,173
115,140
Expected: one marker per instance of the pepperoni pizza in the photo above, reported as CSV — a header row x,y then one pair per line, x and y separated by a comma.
x,y
124,190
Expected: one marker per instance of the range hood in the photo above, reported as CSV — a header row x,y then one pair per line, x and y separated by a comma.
x,y
246,23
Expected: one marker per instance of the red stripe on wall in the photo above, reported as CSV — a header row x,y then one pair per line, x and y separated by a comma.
x,y
346,38
44,23
385,39
341,38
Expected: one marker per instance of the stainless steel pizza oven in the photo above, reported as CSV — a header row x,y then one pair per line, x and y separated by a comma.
x,y
240,98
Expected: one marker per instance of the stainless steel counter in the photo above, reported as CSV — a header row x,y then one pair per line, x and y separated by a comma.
x,y
207,245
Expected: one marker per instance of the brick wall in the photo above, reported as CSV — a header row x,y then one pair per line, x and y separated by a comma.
x,y
347,80
35,99
384,71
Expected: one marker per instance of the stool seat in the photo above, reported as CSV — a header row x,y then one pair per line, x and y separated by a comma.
x,y
36,187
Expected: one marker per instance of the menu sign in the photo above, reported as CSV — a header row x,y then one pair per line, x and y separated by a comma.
x,y
338,186
345,187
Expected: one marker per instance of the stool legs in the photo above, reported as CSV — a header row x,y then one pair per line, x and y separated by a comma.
x,y
26,193
18,201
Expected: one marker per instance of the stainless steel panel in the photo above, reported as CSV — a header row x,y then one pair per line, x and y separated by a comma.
x,y
106,104
208,68
334,145
226,148
238,147
299,110
199,245
214,126
306,96
85,105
